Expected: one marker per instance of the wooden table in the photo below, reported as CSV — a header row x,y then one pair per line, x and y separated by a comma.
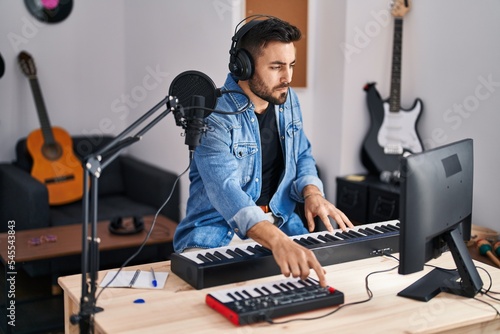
x,y
179,308
69,240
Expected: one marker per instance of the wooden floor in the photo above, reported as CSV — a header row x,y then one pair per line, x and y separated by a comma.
x,y
37,310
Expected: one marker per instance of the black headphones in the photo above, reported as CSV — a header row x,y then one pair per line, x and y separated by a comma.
x,y
116,226
240,60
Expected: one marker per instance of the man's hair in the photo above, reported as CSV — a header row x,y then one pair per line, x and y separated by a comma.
x,y
269,30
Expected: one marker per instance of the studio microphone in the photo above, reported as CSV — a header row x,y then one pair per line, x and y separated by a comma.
x,y
196,93
393,177
195,122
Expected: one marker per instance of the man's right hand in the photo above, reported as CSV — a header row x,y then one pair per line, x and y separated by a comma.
x,y
292,258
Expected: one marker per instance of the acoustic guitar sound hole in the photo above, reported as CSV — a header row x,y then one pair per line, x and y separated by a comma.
x,y
52,151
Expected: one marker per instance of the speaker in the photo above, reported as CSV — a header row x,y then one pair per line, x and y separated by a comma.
x,y
116,226
240,60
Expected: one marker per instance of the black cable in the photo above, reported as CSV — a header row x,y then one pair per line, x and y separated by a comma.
x,y
149,232
486,292
368,292
216,111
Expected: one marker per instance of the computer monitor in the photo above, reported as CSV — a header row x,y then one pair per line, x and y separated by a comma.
x,y
435,216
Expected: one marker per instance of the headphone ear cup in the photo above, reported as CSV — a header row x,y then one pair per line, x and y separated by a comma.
x,y
138,224
116,226
241,65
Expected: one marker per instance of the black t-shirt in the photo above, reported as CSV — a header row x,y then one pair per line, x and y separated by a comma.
x,y
272,155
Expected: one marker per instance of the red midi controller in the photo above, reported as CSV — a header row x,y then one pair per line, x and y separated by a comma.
x,y
264,302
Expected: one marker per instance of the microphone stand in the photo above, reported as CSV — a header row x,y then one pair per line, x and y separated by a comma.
x,y
93,167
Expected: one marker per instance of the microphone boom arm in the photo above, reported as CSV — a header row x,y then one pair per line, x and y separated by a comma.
x,y
93,166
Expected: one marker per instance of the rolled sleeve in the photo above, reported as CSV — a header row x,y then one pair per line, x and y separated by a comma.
x,y
245,219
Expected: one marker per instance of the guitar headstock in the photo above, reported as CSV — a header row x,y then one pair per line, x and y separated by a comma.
x,y
399,8
27,64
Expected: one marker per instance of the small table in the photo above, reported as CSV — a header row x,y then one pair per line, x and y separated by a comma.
x,y
69,240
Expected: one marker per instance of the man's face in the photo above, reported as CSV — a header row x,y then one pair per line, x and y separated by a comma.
x,y
273,72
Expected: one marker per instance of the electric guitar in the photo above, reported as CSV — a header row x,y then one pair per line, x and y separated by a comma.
x,y
392,132
54,163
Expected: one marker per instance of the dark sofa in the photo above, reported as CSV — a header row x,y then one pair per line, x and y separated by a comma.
x,y
127,187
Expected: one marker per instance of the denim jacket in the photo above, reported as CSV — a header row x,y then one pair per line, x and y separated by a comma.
x,y
226,171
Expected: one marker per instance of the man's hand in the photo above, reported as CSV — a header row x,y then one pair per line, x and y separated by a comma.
x,y
292,258
315,205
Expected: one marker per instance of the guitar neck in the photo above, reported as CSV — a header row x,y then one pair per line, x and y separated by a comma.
x,y
41,111
395,96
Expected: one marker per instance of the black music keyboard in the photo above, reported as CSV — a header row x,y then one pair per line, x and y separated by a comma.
x,y
241,262
263,302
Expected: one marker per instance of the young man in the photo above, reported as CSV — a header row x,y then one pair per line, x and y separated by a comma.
x,y
251,169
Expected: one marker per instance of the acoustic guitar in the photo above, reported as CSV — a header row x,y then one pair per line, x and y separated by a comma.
x,y
54,162
392,130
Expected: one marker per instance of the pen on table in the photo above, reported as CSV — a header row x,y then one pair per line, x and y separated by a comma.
x,y
154,282
132,282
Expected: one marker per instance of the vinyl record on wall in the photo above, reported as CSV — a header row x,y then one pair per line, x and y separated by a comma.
x,y
49,11
2,66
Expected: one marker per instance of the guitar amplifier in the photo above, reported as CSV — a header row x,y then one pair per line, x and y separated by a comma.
x,y
365,199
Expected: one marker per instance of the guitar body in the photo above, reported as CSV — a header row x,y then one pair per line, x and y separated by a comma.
x,y
54,163
393,130
391,135
56,166
398,133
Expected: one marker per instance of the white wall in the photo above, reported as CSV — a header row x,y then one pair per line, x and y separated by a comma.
x,y
450,49
95,72
80,67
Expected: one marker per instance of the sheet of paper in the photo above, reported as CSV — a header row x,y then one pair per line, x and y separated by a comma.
x,y
144,279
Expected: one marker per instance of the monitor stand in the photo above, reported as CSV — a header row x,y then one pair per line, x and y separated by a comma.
x,y
463,281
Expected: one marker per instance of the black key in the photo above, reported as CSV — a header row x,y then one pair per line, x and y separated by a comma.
x,y
233,254
373,231
266,290
203,258
300,242
342,235
331,237
278,287
356,234
253,250
306,242
314,241
220,256
382,228
241,252
366,231
211,257
248,295
392,228
263,249
351,234
323,238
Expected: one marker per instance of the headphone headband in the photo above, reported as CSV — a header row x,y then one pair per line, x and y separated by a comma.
x,y
240,60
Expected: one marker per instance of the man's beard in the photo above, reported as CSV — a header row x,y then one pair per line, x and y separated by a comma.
x,y
259,88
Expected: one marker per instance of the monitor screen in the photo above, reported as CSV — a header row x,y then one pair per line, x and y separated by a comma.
x,y
435,215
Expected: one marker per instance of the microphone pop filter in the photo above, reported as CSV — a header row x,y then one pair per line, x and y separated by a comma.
x,y
190,83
